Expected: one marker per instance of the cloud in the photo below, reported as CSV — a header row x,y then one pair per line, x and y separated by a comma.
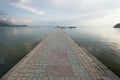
x,y
16,21
68,12
108,19
84,6
12,20
26,22
73,6
89,13
4,19
23,4
26,7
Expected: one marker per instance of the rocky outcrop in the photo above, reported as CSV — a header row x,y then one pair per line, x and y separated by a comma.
x,y
117,25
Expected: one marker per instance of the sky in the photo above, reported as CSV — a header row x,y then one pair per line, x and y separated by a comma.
x,y
91,13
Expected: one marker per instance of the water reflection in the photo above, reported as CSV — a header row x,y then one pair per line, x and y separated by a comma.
x,y
103,43
14,31
16,42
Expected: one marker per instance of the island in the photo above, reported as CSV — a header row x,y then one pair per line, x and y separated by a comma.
x,y
7,23
117,25
62,27
20,25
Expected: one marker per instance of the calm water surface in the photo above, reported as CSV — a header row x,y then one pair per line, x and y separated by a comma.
x,y
16,42
103,43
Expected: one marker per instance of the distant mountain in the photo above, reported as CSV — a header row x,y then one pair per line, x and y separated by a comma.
x,y
117,25
5,23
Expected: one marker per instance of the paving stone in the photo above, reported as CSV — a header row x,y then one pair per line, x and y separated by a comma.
x,y
35,78
24,78
51,78
62,78
12,78
18,78
57,57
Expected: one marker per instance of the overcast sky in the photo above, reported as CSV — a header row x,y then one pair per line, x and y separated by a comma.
x,y
95,13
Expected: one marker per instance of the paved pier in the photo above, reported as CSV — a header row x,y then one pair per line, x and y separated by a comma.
x,y
58,57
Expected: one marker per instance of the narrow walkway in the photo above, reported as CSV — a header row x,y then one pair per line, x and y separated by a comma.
x,y
58,58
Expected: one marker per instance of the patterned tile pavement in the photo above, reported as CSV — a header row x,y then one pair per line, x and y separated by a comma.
x,y
53,59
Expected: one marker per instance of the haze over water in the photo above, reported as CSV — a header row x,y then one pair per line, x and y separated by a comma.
x,y
16,42
103,43
94,20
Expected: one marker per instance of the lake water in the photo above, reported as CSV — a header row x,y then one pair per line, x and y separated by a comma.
x,y
16,42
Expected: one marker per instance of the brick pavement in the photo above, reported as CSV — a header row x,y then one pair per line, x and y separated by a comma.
x,y
57,58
